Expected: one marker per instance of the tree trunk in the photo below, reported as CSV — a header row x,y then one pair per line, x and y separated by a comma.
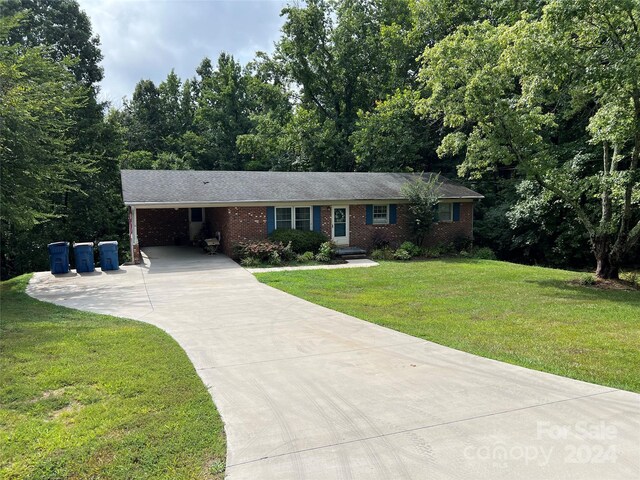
x,y
606,267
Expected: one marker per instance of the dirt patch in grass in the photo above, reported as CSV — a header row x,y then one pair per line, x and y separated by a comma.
x,y
215,469
68,411
605,284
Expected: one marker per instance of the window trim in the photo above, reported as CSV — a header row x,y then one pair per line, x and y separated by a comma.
x,y
292,208
380,221
450,219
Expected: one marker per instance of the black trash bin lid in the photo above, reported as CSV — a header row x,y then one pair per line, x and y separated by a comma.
x,y
82,244
109,242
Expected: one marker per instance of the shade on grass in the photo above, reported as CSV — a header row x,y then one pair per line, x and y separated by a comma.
x,y
91,396
529,316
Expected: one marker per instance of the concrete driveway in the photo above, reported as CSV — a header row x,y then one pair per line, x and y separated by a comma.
x,y
309,393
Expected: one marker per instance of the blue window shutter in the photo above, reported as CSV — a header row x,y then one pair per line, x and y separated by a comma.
x,y
317,218
369,215
271,219
436,216
393,214
456,212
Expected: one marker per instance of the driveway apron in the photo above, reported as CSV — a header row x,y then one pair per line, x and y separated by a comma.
x,y
309,393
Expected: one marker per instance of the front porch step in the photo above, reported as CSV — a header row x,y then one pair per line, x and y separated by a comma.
x,y
351,253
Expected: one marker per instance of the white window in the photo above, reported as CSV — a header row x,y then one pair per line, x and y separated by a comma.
x,y
283,218
380,214
445,212
293,217
303,218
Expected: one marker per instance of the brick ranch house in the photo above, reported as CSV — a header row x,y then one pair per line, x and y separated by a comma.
x,y
170,207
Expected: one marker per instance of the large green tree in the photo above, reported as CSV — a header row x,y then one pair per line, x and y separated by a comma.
x,y
65,29
39,98
392,137
143,118
544,95
89,207
340,57
156,125
222,114
270,110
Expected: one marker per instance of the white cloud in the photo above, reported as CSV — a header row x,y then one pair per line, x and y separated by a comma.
x,y
146,38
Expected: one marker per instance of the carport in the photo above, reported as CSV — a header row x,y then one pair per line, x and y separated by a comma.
x,y
160,226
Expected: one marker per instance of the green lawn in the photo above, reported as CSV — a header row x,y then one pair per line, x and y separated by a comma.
x,y
90,396
528,316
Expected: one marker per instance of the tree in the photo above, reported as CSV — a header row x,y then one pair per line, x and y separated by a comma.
x,y
187,106
222,114
392,137
67,33
170,111
543,229
422,195
64,28
270,110
39,99
602,41
433,20
342,56
143,118
540,95
78,202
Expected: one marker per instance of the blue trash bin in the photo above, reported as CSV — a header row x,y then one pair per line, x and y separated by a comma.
x,y
83,253
59,257
108,255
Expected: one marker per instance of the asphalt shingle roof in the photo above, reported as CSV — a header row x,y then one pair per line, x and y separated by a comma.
x,y
226,187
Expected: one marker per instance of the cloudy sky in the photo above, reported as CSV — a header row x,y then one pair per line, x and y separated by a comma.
x,y
147,38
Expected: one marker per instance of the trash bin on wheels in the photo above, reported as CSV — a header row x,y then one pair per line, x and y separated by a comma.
x,y
83,253
59,257
108,255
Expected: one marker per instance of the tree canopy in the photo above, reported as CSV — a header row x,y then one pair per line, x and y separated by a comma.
x,y
39,98
544,95
534,104
60,176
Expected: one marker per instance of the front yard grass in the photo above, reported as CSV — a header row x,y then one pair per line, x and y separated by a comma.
x,y
529,316
91,396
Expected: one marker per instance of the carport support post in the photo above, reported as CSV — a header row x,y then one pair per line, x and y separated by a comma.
x,y
133,235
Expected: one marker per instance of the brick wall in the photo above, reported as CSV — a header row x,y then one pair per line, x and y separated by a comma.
x,y
445,232
163,226
363,235
218,220
238,224
325,221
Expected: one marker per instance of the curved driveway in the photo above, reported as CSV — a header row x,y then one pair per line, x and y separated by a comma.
x,y
309,393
